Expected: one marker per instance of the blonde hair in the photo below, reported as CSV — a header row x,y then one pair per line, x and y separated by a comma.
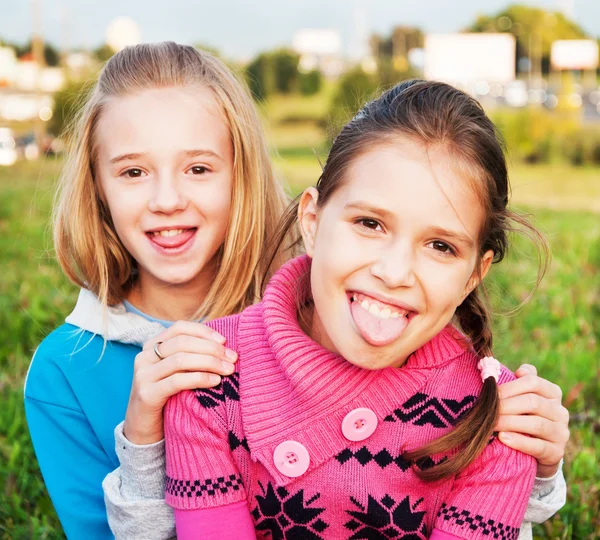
x,y
86,243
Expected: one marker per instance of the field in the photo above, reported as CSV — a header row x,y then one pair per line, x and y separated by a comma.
x,y
558,331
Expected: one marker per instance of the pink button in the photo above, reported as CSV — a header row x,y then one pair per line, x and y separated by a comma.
x,y
359,424
291,459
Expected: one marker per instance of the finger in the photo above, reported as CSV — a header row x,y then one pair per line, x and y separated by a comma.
x,y
186,381
536,426
526,369
189,328
534,404
143,359
530,384
190,362
198,345
546,453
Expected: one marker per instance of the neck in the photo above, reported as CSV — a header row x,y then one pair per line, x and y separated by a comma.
x,y
169,302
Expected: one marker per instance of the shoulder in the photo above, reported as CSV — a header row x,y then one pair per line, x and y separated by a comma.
x,y
465,365
66,355
228,327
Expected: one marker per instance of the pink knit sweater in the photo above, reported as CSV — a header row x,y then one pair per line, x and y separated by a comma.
x,y
277,434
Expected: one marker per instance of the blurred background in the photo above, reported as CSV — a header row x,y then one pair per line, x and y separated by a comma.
x,y
310,65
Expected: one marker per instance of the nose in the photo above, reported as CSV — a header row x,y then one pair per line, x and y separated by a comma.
x,y
167,196
395,266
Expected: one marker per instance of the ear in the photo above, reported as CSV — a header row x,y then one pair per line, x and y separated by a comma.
x,y
477,277
307,218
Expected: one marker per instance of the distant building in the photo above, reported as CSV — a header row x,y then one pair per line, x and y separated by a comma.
x,y
29,75
8,66
319,49
467,59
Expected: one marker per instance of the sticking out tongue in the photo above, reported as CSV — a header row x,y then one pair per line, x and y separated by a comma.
x,y
374,330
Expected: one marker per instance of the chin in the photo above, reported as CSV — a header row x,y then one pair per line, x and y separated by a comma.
x,y
372,358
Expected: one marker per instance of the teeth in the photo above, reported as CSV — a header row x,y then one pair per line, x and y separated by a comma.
x,y
170,232
383,313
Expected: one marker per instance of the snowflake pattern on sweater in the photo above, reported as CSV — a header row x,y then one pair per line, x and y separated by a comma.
x,y
220,442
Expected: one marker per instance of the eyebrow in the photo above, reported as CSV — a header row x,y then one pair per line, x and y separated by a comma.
x,y
458,237
437,231
366,207
126,157
197,152
202,152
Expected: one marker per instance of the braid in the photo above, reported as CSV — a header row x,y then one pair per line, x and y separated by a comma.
x,y
474,320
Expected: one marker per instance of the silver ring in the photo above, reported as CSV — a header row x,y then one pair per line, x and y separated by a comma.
x,y
156,351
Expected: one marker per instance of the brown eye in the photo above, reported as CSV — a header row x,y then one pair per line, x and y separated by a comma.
x,y
369,223
442,247
134,173
198,169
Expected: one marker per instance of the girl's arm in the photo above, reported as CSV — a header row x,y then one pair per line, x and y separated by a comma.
x,y
70,456
134,492
203,481
489,498
533,421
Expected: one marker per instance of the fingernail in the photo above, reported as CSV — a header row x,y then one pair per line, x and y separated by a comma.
x,y
227,367
231,355
218,337
214,379
505,437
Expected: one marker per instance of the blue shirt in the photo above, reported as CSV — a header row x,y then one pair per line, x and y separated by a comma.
x,y
76,393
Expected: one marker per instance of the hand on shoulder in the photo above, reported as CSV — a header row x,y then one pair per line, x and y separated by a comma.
x,y
533,420
193,356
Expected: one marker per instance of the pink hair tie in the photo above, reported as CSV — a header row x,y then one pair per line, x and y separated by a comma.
x,y
489,367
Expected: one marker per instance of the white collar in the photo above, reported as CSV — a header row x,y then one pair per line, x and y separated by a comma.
x,y
115,323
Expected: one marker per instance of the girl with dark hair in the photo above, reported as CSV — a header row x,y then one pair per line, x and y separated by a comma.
x,y
365,396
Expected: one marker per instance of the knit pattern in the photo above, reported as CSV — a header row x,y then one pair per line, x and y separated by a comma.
x,y
220,442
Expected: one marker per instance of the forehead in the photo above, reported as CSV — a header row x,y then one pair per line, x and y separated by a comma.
x,y
419,185
162,119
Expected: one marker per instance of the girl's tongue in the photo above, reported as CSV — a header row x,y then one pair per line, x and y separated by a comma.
x,y
172,239
375,329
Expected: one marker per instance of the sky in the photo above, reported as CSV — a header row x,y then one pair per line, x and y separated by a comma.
x,y
242,28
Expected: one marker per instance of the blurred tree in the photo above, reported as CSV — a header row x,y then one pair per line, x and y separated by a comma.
x,y
103,53
285,70
311,82
391,53
67,103
396,46
534,29
355,88
259,76
208,48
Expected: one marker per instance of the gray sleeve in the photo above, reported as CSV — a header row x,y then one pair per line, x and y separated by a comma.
x,y
134,492
548,497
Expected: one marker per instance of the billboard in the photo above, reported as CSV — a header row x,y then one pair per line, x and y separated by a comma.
x,y
463,59
574,54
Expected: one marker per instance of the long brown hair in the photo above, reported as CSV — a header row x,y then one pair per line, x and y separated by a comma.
x,y
87,245
438,115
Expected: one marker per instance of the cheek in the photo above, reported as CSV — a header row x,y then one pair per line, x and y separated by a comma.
x,y
215,201
445,285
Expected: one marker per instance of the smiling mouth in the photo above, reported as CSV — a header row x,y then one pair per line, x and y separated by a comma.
x,y
377,322
171,239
